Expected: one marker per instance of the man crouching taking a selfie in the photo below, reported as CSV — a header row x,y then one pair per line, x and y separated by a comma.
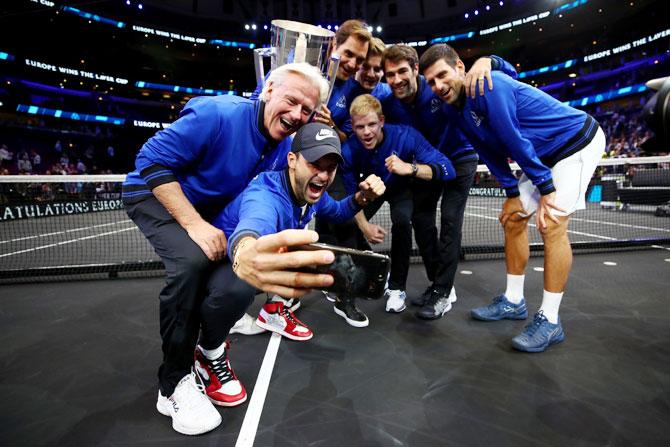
x,y
273,202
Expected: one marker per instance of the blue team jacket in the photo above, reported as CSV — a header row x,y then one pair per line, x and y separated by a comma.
x,y
426,115
213,150
520,122
405,142
268,206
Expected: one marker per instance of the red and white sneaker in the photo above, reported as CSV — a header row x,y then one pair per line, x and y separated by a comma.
x,y
221,384
278,318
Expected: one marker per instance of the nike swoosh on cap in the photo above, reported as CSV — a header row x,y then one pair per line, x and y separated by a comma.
x,y
325,133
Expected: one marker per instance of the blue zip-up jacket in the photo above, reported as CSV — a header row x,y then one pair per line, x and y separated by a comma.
x,y
269,206
405,142
213,150
426,115
344,92
523,123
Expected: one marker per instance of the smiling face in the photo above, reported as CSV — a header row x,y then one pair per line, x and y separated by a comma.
x,y
370,73
352,54
401,77
446,81
310,180
368,129
289,104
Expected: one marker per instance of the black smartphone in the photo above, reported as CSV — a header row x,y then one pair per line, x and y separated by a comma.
x,y
357,273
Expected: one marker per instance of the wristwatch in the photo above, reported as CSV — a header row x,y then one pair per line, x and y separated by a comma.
x,y
415,169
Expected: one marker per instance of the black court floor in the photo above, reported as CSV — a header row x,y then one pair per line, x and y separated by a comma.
x,y
79,359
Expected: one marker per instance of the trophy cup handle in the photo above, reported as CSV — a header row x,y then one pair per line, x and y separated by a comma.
x,y
333,65
259,54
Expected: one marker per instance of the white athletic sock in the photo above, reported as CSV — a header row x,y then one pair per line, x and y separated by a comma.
x,y
550,303
213,354
514,291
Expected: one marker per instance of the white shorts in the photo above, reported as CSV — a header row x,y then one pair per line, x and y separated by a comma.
x,y
571,179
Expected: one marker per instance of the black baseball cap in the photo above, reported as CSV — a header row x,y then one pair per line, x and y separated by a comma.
x,y
314,140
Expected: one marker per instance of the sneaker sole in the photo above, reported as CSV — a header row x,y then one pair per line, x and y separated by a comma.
x,y
555,341
396,311
183,430
267,327
220,403
514,317
351,322
434,317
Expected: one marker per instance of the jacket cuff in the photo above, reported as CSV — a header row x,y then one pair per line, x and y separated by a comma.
x,y
546,187
232,244
156,175
512,191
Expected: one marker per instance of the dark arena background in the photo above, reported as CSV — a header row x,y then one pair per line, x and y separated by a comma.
x,y
83,84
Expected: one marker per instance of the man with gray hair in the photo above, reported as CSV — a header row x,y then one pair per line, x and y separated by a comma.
x,y
185,175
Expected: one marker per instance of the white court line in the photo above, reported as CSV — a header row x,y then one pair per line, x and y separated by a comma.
x,y
600,222
42,247
73,230
581,233
249,427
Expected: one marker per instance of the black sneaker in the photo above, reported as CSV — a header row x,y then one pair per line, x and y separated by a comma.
x,y
347,309
438,304
423,298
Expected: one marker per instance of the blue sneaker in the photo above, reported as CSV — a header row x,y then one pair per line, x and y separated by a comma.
x,y
501,309
539,335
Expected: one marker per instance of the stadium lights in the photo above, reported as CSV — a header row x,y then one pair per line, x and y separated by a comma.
x,y
139,6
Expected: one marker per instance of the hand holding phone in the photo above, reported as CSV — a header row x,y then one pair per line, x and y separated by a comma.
x,y
356,273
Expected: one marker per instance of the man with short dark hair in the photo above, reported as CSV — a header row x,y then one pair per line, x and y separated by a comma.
x,y
557,148
276,201
412,103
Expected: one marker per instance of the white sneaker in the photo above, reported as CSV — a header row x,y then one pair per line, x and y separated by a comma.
x,y
191,411
246,326
395,300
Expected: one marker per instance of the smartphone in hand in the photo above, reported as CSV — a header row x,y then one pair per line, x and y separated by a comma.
x,y
357,273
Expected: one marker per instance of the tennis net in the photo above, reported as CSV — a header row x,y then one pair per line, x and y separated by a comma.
x,y
71,227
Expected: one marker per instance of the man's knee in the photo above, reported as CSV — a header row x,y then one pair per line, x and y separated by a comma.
x,y
516,224
192,261
554,231
233,293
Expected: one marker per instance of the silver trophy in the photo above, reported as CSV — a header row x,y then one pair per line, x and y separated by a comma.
x,y
298,42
